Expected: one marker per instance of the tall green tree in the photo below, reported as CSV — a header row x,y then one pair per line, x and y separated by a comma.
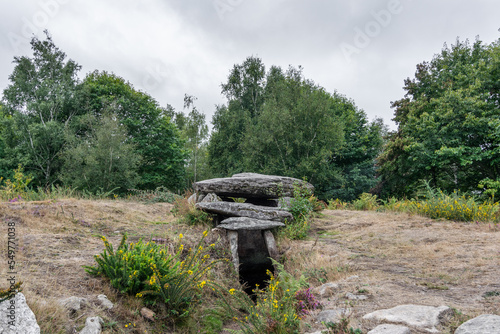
x,y
40,99
279,122
103,161
448,123
196,131
155,138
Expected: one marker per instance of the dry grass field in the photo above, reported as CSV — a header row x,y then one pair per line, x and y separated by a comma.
x,y
392,258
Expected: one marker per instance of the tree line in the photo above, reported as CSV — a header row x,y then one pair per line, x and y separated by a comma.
x,y
101,134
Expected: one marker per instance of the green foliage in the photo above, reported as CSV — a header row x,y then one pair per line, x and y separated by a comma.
x,y
337,204
365,202
40,101
300,207
275,309
455,206
170,282
104,161
448,123
436,204
341,327
179,290
9,293
189,214
156,140
491,187
160,194
17,187
281,123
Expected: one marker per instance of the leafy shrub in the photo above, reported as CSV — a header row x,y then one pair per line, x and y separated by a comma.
x,y
18,187
301,205
341,327
160,194
188,213
457,207
276,308
365,202
337,204
171,282
435,204
491,187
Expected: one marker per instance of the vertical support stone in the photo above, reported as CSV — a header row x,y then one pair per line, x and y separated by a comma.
x,y
233,242
271,245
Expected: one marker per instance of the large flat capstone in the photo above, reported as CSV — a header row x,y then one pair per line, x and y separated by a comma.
x,y
251,185
233,209
245,223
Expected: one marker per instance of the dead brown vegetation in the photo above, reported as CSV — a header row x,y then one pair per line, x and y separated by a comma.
x,y
392,258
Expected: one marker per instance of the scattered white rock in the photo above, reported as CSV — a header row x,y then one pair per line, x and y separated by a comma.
x,y
352,296
423,317
73,303
390,329
484,324
16,317
92,325
105,302
326,290
332,315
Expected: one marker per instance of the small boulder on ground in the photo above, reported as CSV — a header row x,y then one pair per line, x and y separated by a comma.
x,y
332,315
73,303
390,329
326,290
92,326
484,324
105,302
423,317
17,317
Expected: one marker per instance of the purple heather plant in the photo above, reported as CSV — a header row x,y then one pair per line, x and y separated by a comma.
x,y
306,301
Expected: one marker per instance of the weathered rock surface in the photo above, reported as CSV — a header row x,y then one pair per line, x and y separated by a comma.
x,y
326,290
423,317
332,315
92,325
105,302
250,185
484,324
233,209
148,314
73,303
352,296
17,317
245,223
390,329
209,198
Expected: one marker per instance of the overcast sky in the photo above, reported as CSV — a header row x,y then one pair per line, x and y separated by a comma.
x,y
363,49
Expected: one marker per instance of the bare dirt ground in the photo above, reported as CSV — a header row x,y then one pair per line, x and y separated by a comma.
x,y
397,259
392,258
